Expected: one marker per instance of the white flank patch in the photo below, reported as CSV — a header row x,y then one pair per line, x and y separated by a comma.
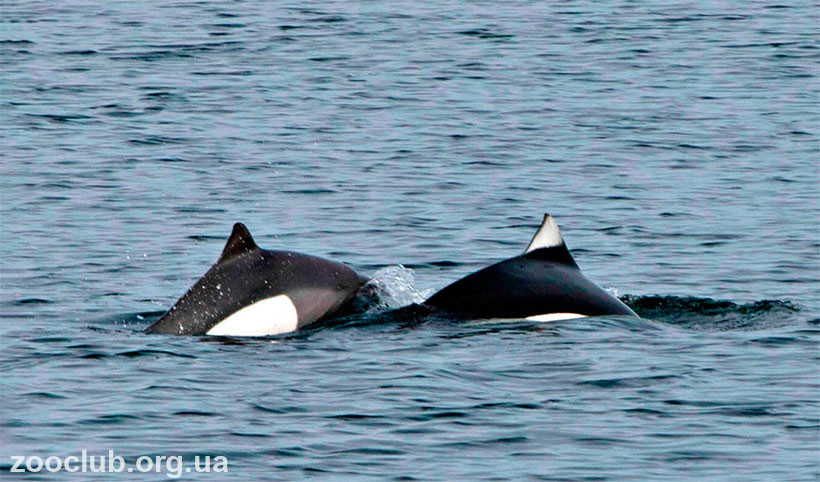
x,y
270,316
555,317
548,235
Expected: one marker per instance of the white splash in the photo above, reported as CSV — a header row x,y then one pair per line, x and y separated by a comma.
x,y
395,287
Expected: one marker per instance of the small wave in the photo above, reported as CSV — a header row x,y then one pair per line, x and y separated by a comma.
x,y
135,318
33,301
98,355
714,315
486,34
79,52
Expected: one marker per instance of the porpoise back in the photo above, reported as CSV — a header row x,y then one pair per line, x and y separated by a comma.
x,y
256,292
543,283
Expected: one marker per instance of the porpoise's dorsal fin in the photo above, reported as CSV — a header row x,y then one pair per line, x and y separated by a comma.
x,y
548,235
548,244
240,242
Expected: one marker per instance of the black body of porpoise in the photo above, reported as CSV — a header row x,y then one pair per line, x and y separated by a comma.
x,y
544,284
256,292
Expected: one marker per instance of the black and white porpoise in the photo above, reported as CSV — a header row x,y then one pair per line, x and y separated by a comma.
x,y
257,292
543,284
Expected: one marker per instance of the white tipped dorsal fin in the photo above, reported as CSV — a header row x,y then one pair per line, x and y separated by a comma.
x,y
548,235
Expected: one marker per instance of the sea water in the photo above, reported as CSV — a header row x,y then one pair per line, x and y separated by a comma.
x,y
676,144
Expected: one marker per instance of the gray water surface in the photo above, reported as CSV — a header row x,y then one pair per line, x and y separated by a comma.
x,y
676,144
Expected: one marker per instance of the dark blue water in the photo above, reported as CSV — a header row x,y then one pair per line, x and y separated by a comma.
x,y
676,143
